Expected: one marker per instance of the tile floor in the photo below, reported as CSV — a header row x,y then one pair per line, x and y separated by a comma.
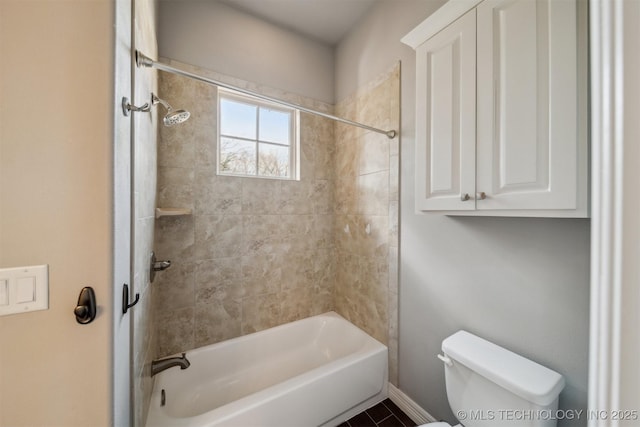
x,y
384,414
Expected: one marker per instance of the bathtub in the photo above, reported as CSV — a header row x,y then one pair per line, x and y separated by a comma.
x,y
318,371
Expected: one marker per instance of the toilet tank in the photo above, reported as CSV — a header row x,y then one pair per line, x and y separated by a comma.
x,y
489,386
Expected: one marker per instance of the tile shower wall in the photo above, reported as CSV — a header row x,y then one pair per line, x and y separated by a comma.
x,y
366,208
255,253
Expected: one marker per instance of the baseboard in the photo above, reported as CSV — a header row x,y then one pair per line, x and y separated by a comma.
x,y
409,407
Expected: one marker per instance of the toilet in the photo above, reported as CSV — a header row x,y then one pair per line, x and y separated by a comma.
x,y
489,386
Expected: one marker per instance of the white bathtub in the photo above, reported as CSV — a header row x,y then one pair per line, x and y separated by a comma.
x,y
318,371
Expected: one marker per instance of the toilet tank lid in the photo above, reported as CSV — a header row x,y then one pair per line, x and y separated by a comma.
x,y
519,375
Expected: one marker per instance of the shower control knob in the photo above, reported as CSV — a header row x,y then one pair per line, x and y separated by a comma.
x,y
161,265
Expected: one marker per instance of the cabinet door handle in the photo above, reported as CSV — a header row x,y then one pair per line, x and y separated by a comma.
x,y
464,197
482,196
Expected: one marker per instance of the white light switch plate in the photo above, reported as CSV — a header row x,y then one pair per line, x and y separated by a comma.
x,y
24,289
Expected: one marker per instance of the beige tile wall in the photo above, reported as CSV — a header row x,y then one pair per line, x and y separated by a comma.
x,y
366,208
258,252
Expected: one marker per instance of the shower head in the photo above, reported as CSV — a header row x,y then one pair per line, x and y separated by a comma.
x,y
173,117
176,117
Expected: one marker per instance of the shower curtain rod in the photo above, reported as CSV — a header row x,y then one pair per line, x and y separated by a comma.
x,y
144,61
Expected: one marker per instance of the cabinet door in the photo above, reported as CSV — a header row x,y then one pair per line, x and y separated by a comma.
x,y
445,118
527,104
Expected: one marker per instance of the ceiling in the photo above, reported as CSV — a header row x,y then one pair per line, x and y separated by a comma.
x,y
327,21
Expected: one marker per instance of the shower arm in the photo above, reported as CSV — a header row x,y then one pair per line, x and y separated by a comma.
x,y
144,61
155,101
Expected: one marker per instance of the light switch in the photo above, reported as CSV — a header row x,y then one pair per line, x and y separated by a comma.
x,y
4,292
26,290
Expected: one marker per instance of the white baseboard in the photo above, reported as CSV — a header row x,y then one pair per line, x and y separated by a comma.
x,y
409,407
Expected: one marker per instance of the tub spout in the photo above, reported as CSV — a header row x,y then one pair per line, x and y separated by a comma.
x,y
160,365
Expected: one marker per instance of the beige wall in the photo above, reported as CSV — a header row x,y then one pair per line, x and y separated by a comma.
x,y
629,316
55,206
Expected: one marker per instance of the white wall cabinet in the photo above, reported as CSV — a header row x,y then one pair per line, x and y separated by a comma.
x,y
501,109
446,66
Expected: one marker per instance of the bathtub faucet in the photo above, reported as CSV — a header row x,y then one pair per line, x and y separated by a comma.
x,y
160,365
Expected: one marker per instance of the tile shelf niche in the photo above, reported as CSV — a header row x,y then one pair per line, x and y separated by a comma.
x,y
160,212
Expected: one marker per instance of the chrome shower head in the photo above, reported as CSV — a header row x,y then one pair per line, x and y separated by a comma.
x,y
173,117
176,117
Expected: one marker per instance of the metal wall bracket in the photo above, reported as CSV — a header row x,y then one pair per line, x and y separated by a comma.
x,y
127,107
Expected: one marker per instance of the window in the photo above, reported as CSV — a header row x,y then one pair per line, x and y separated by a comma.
x,y
256,138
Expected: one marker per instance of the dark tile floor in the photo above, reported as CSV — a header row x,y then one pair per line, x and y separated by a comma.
x,y
384,414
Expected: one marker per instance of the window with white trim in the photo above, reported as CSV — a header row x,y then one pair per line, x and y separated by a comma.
x,y
256,138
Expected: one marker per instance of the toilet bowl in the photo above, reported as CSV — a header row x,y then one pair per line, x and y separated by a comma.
x,y
484,378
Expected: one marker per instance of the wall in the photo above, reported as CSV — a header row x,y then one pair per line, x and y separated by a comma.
x,y
628,316
367,193
366,209
522,283
56,135
260,252
217,37
144,158
122,405
256,252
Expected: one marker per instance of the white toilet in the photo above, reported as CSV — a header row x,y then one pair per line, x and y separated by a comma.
x,y
489,386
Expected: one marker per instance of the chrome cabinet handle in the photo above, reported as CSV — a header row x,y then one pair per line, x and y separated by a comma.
x,y
482,196
465,197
